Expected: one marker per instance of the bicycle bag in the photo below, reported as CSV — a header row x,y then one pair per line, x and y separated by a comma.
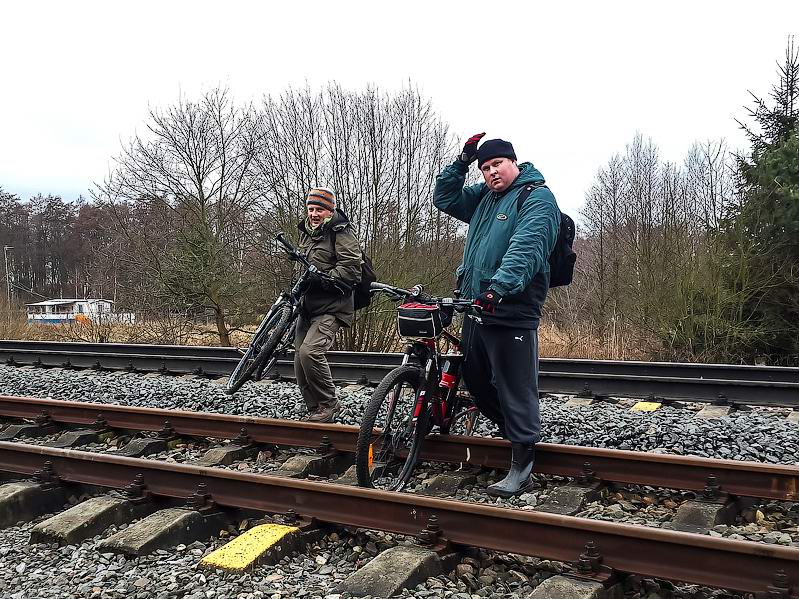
x,y
419,320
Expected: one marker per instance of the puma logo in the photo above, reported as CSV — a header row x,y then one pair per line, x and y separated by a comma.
x,y
519,338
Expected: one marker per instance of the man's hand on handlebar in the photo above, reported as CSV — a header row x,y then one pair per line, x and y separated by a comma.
x,y
326,283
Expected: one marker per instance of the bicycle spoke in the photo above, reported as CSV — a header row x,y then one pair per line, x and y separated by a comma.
x,y
388,431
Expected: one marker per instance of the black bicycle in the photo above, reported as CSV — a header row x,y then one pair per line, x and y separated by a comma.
x,y
275,335
422,393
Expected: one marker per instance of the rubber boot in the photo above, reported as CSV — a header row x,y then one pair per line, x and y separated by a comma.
x,y
518,479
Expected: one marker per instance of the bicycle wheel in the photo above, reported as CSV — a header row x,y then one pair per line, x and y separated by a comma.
x,y
390,437
464,422
262,346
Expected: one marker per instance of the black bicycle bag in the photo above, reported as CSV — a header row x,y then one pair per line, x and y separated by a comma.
x,y
419,320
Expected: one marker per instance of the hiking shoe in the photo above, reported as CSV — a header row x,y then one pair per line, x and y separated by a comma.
x,y
324,414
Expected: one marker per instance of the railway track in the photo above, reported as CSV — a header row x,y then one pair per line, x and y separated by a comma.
x,y
597,550
718,383
750,479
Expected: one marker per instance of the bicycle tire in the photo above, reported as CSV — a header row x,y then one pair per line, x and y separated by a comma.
x,y
414,377
266,367
272,333
466,419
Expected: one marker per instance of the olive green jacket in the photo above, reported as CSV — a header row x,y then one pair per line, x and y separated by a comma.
x,y
334,249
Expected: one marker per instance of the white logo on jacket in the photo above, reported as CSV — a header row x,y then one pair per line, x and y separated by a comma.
x,y
502,216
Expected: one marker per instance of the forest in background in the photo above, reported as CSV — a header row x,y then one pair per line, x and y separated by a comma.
x,y
694,261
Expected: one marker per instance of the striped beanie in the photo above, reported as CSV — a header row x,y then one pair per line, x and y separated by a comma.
x,y
321,196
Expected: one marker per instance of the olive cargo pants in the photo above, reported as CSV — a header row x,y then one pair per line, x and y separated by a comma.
x,y
312,338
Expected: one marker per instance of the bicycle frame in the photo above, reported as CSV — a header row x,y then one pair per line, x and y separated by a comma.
x,y
440,388
291,298
414,399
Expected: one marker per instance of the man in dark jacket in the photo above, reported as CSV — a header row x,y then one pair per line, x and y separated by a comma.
x,y
329,242
505,270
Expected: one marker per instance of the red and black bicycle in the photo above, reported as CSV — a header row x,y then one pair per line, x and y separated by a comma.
x,y
420,395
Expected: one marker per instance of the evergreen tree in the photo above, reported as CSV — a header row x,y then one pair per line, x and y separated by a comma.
x,y
760,235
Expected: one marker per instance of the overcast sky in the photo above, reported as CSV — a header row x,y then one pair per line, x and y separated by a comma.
x,y
568,83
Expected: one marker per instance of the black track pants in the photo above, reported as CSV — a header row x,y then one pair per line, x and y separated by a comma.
x,y
501,373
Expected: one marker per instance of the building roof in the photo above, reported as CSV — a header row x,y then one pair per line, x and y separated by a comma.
x,y
60,302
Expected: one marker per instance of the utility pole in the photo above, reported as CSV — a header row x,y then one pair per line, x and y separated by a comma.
x,y
8,279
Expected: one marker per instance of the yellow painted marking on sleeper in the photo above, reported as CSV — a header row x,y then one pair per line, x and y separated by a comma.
x,y
244,550
646,406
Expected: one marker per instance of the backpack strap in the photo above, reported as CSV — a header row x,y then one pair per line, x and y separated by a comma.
x,y
528,189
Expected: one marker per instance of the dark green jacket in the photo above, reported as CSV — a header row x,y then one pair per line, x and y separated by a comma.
x,y
341,260
506,249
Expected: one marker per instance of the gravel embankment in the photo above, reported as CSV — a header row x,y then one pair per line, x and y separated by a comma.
x,y
758,435
47,571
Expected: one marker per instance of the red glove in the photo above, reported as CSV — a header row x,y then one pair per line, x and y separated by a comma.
x,y
469,153
488,301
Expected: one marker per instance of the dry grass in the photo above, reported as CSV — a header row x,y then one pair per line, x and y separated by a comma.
x,y
553,342
149,332
583,343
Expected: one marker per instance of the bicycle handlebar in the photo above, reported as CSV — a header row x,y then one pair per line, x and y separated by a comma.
x,y
417,293
290,249
294,254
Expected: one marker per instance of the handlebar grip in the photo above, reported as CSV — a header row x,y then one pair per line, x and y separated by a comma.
x,y
284,242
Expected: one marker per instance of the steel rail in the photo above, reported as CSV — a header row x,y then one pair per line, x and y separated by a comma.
x,y
697,559
734,372
71,348
749,479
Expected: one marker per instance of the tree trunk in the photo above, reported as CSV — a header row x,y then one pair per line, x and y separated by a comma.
x,y
221,327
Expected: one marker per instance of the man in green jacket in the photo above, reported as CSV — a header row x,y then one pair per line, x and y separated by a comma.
x,y
505,270
329,242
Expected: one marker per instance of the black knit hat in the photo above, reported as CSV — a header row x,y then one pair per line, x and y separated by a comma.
x,y
494,148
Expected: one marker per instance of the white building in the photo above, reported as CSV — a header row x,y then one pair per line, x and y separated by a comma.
x,y
59,311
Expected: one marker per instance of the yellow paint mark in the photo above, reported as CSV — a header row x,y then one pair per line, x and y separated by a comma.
x,y
371,456
646,406
244,550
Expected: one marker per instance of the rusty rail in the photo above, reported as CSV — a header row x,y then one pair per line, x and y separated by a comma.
x,y
749,479
742,565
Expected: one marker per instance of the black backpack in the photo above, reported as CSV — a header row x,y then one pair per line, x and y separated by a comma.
x,y
563,257
361,292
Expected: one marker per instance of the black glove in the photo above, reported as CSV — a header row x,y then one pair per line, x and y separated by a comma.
x,y
317,280
469,153
488,301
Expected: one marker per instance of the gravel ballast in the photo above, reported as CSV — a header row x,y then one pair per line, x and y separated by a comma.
x,y
761,435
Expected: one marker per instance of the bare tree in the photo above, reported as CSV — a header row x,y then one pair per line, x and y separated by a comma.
x,y
381,153
182,196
